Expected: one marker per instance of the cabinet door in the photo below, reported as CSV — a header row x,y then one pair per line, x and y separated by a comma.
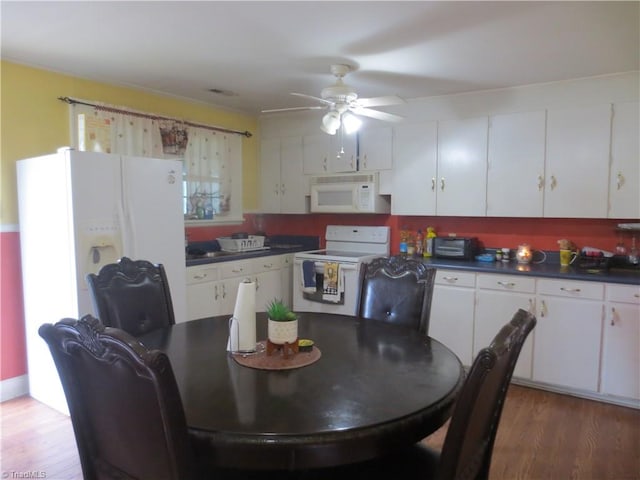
x,y
452,309
414,169
266,275
203,294
270,175
343,153
294,184
493,310
462,167
577,168
315,154
624,187
621,342
515,176
567,342
375,149
286,279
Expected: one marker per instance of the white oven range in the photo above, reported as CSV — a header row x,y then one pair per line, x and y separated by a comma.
x,y
328,280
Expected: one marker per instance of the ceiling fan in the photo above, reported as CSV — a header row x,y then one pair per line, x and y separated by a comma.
x,y
342,100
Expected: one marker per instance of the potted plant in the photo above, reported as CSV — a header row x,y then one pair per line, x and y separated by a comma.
x,y
283,323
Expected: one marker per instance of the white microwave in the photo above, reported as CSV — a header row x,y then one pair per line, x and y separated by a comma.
x,y
352,193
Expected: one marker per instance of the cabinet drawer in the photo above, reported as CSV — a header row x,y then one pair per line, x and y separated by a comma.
x,y
202,274
238,268
266,264
509,283
455,277
570,288
623,293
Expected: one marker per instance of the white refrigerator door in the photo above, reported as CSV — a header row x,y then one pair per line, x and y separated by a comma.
x,y
97,216
153,227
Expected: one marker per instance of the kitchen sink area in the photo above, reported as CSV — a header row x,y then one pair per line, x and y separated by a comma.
x,y
209,251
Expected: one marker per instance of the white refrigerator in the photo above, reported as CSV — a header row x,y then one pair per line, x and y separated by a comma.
x,y
79,211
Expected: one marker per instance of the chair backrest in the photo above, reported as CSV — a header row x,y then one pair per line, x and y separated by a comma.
x,y
132,295
125,407
468,445
397,289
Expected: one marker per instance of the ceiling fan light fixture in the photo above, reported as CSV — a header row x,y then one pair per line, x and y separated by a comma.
x,y
331,122
351,123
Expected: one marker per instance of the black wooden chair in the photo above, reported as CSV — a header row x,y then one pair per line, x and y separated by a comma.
x,y
132,295
397,289
125,407
468,445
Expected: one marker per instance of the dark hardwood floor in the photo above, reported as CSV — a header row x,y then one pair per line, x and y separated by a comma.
x,y
542,435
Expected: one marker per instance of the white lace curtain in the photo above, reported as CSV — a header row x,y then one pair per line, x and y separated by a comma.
x,y
212,159
207,157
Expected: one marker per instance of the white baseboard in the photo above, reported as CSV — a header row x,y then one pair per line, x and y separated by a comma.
x,y
14,387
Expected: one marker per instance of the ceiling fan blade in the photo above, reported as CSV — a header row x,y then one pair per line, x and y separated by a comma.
x,y
380,101
378,115
317,99
293,109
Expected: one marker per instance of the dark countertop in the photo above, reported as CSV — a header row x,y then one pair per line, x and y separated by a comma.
x,y
278,245
549,269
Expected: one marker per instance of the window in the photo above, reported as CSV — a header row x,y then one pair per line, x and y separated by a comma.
x,y
212,160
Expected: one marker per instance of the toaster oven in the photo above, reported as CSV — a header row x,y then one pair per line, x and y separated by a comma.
x,y
463,248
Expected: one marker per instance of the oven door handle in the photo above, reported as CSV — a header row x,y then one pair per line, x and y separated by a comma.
x,y
320,265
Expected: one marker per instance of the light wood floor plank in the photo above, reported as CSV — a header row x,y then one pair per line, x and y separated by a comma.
x,y
542,436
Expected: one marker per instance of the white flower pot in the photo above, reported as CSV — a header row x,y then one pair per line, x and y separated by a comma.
x,y
282,332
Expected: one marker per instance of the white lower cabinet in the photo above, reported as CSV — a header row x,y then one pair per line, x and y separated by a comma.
x,y
452,311
266,275
568,333
286,279
212,288
498,298
621,342
203,291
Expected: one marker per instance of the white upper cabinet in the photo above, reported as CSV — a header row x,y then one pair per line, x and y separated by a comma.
x,y
283,185
414,169
578,141
375,149
462,167
624,186
324,154
515,177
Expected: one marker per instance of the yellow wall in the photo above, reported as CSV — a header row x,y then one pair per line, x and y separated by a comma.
x,y
34,122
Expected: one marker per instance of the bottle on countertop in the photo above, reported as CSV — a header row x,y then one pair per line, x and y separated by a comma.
x,y
428,242
404,234
411,245
419,243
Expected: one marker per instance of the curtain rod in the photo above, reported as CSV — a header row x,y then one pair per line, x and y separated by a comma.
x,y
73,101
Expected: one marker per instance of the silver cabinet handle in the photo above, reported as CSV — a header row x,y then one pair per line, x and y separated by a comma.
x,y
531,306
570,290
215,292
282,189
613,316
543,309
540,182
450,279
276,190
433,184
442,184
619,180
200,277
507,284
224,291
553,182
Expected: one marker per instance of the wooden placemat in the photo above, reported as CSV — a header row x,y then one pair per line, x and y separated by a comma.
x,y
262,361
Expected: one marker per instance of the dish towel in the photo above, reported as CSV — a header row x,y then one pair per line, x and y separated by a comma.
x,y
308,276
331,286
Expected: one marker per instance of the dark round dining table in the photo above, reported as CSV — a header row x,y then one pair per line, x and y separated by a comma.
x,y
376,387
